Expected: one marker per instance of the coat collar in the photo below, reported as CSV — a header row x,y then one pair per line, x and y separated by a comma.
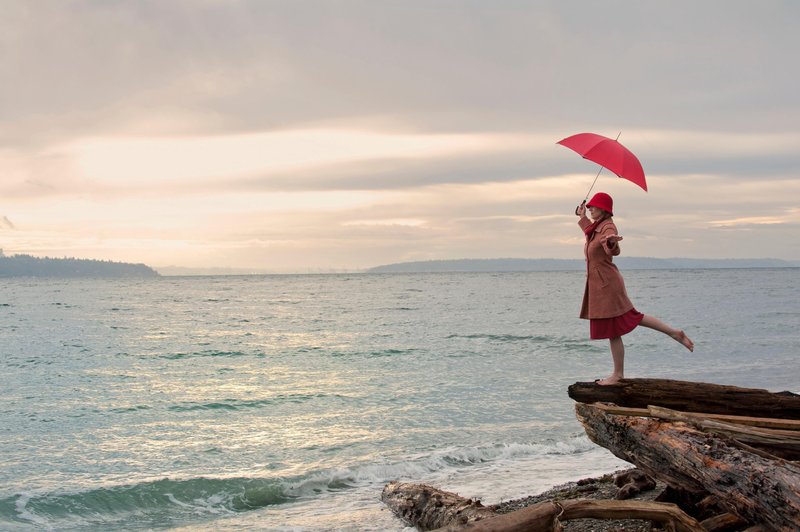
x,y
602,224
596,227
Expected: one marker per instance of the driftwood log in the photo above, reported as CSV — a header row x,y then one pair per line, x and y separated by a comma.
x,y
547,516
747,484
723,522
690,397
429,508
770,438
650,411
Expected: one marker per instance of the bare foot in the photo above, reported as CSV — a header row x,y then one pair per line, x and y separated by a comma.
x,y
608,380
681,337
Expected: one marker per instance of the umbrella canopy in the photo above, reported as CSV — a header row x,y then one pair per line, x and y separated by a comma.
x,y
608,153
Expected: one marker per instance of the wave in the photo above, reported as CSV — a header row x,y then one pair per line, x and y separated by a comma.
x,y
127,409
581,346
155,503
373,354
560,343
502,337
210,353
500,452
150,503
226,404
238,404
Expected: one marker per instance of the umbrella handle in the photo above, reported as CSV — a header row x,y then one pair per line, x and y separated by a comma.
x,y
578,207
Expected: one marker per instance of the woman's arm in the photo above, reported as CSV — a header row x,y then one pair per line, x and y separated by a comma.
x,y
610,241
583,221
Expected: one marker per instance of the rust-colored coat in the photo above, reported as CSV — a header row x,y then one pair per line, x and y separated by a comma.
x,y
605,295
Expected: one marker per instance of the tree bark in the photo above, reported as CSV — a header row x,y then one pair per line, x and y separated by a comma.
x,y
771,438
690,397
748,485
761,422
540,517
429,508
723,523
770,443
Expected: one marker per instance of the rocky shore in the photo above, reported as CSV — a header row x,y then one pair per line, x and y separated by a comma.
x,y
597,488
708,457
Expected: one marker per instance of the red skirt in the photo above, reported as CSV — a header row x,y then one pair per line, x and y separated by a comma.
x,y
600,328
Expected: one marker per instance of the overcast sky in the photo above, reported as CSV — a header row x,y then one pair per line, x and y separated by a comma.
x,y
302,135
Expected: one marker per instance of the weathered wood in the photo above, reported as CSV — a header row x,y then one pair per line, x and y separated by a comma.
x,y
547,516
666,514
778,443
698,505
690,397
750,486
763,422
540,517
723,523
702,419
429,508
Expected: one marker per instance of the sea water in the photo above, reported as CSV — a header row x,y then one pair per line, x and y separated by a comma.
x,y
287,402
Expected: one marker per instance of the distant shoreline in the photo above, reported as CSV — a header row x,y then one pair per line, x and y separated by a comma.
x,y
534,265
47,267
498,266
29,266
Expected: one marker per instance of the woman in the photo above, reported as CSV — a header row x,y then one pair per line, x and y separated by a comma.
x,y
605,301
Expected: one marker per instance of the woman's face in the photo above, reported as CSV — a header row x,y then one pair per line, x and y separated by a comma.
x,y
595,212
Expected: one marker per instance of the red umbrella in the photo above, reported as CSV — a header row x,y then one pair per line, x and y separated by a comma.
x,y
608,153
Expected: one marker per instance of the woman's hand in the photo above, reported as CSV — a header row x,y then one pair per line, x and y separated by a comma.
x,y
611,240
581,210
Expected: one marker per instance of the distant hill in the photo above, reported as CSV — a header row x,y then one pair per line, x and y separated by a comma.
x,y
537,265
29,266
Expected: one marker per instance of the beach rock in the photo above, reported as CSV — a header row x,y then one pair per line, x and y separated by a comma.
x,y
632,483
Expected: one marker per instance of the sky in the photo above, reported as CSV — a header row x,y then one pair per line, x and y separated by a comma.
x,y
304,136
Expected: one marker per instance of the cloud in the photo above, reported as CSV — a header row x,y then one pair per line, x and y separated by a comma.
x,y
6,224
353,132
791,217
401,222
351,159
175,67
225,157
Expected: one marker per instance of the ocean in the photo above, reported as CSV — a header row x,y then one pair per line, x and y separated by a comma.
x,y
286,402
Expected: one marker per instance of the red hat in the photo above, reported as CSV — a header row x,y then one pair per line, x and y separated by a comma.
x,y
601,200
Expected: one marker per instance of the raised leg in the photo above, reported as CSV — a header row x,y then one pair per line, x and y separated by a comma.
x,y
676,334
